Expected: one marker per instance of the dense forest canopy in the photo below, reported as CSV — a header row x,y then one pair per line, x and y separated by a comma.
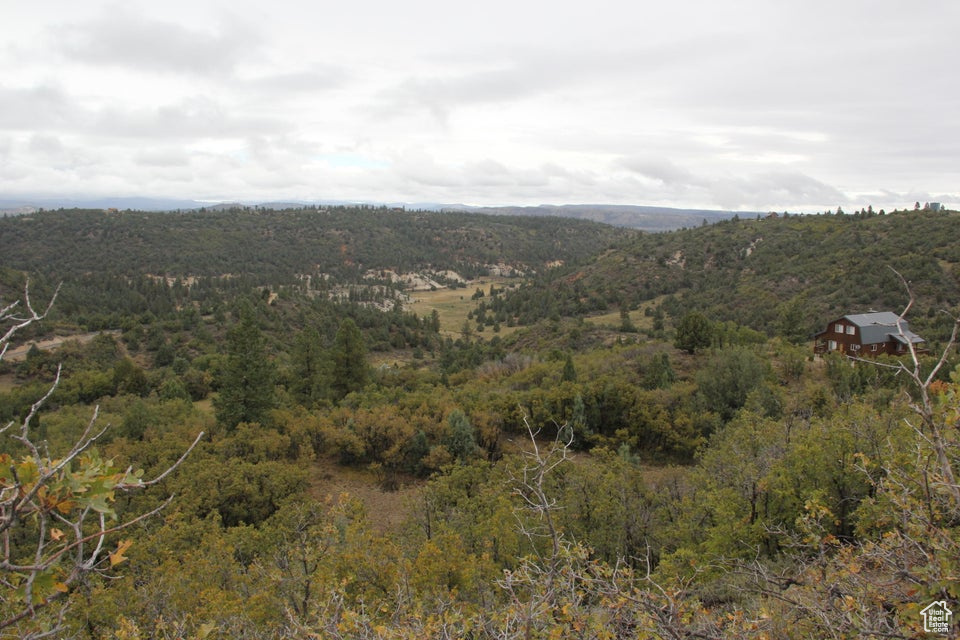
x,y
273,246
780,275
631,439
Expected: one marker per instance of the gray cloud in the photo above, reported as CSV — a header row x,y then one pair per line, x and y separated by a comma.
x,y
486,176
48,109
439,95
122,38
190,119
61,155
657,169
162,158
45,144
768,190
296,82
749,105
523,72
34,108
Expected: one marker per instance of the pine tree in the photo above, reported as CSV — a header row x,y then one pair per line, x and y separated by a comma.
x,y
569,373
694,332
309,368
247,383
582,434
462,442
660,373
350,370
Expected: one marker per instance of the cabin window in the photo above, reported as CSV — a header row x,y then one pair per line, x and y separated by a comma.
x,y
851,330
832,345
855,347
838,328
873,347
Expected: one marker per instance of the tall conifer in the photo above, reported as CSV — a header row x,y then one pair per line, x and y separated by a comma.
x,y
350,371
247,383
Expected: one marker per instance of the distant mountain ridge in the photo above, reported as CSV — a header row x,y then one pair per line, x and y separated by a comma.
x,y
645,218
28,204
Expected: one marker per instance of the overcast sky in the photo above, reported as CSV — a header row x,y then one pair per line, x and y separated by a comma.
x,y
752,105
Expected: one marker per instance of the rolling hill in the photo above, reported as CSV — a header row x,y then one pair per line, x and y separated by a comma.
x,y
778,275
272,246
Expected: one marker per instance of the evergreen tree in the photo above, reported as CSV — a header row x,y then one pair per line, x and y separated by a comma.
x,y
694,332
129,378
309,368
569,370
726,381
578,423
626,324
660,373
791,323
350,371
658,324
462,442
246,386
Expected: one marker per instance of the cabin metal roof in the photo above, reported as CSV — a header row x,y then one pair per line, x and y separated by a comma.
x,y
881,326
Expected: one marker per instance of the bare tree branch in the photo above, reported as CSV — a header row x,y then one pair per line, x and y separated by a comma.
x,y
48,493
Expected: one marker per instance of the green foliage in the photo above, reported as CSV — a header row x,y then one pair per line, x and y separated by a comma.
x,y
735,271
109,260
59,516
462,442
755,491
349,356
48,511
173,388
569,373
129,378
726,381
659,374
197,383
606,506
626,323
794,319
240,491
694,332
582,434
310,369
246,385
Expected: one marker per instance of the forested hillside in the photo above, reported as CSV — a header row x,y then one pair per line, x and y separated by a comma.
x,y
368,468
783,276
114,263
273,246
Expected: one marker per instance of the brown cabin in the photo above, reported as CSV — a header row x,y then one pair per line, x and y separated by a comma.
x,y
867,334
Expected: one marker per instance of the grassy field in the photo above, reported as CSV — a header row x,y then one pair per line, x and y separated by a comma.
x,y
640,321
453,305
8,382
386,510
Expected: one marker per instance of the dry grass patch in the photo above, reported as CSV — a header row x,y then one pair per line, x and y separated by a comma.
x,y
386,510
453,305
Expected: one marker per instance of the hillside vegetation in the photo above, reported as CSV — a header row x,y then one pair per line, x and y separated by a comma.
x,y
274,246
651,450
782,276
114,264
